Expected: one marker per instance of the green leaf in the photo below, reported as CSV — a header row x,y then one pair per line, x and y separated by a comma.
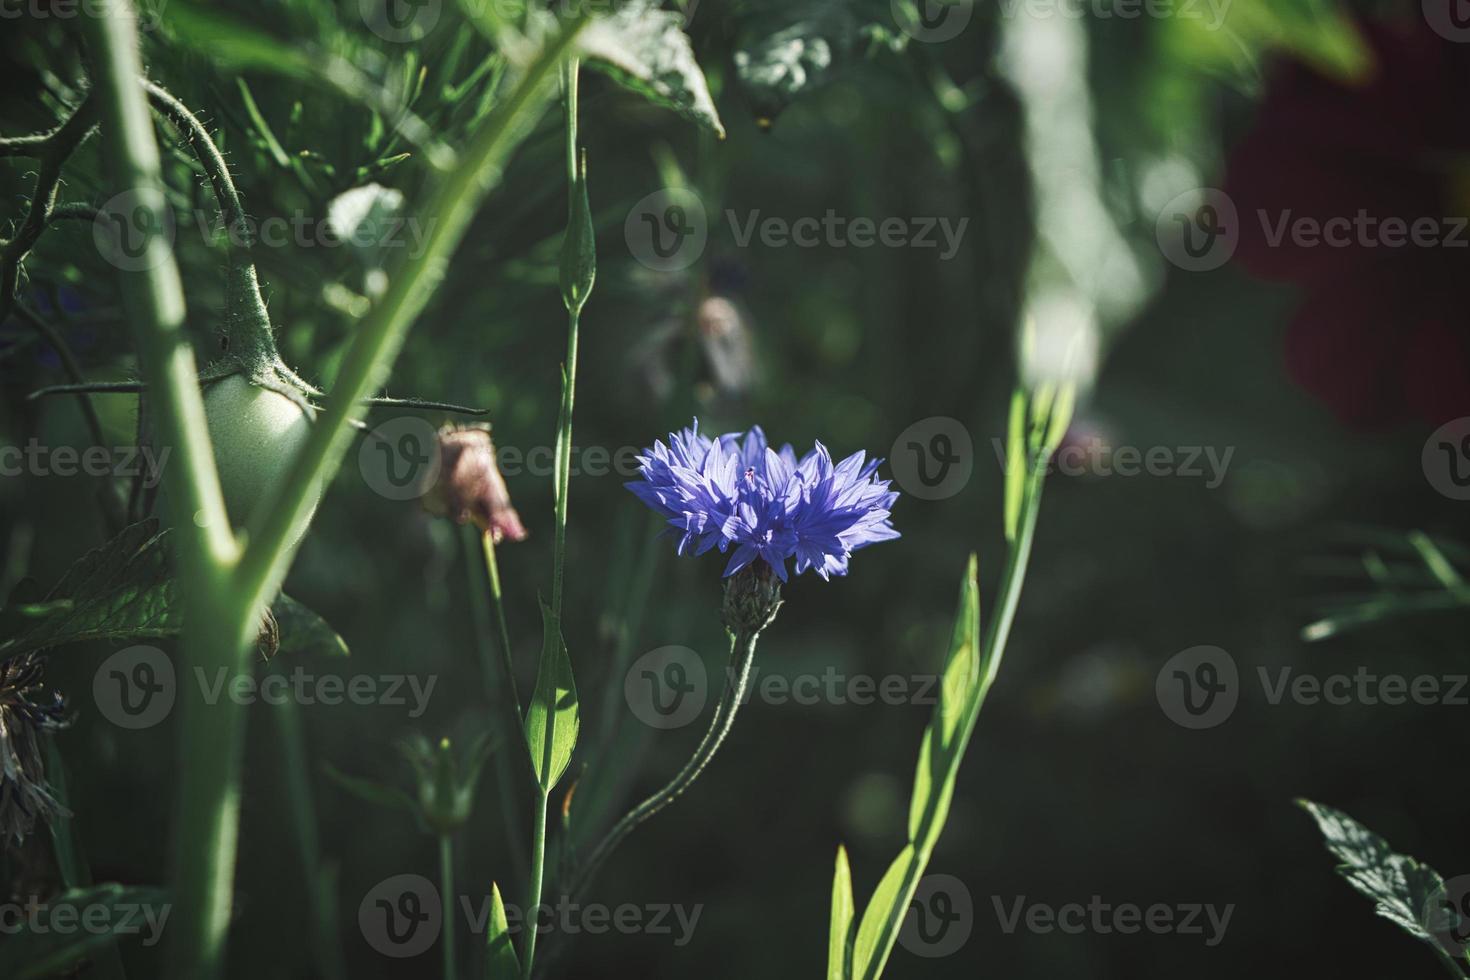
x,y
579,248
552,718
644,48
231,43
29,955
884,915
960,689
839,946
1016,463
1401,888
368,791
788,49
304,632
123,590
1318,32
501,962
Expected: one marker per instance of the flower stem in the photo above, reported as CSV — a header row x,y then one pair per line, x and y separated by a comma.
x,y
532,918
446,891
742,655
500,690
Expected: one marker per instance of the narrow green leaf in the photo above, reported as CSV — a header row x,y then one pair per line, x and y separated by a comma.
x,y
959,689
1016,463
1439,565
839,945
30,955
644,48
501,962
371,792
578,270
552,717
884,915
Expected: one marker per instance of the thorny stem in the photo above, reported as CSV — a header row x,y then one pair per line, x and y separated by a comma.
x,y
53,149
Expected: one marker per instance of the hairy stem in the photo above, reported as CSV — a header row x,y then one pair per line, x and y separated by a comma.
x,y
742,655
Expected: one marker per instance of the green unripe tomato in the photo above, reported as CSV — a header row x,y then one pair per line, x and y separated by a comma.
x,y
256,434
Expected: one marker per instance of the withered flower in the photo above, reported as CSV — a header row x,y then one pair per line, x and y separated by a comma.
x,y
468,485
26,713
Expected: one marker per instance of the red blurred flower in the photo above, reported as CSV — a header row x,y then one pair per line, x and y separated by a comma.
x,y
1383,333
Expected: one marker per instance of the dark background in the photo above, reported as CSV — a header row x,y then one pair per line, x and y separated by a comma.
x,y
1076,784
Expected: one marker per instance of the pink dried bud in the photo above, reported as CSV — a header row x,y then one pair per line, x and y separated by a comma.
x,y
468,486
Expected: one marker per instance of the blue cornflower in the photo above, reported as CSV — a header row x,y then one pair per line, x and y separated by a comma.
x,y
737,491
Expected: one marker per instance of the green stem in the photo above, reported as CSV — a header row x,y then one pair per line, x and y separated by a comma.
x,y
446,890
379,338
216,632
532,918
497,605
561,492
326,951
499,678
742,655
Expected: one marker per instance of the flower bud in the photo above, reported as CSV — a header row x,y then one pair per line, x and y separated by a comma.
x,y
752,597
468,486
